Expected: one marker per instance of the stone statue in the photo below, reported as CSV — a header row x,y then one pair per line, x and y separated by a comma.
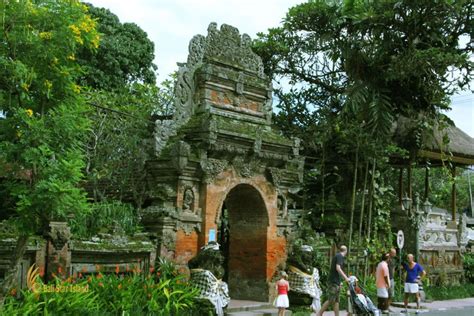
x,y
188,200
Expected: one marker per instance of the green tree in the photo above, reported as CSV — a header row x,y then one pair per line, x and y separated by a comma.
x,y
346,70
125,54
123,102
43,129
377,59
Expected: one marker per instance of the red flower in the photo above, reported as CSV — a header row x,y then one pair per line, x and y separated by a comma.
x,y
80,275
152,269
117,269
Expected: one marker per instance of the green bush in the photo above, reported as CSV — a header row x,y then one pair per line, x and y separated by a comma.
x,y
106,217
468,265
449,292
123,293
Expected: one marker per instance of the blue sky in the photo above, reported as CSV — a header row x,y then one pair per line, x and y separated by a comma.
x,y
170,24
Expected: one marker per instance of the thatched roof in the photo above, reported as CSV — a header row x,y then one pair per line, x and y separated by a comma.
x,y
459,149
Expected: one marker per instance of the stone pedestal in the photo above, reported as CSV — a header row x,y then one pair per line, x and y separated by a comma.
x,y
58,255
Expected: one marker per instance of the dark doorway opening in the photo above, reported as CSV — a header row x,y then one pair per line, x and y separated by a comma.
x,y
243,238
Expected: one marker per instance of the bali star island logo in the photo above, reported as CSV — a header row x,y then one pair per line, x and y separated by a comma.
x,y
36,285
32,277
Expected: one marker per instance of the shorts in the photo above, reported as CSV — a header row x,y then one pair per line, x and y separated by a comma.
x,y
411,288
391,290
382,292
333,293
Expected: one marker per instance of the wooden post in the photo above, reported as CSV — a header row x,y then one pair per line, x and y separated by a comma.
x,y
400,188
410,192
427,182
453,194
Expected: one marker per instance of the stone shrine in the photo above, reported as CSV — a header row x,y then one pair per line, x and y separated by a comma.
x,y
221,172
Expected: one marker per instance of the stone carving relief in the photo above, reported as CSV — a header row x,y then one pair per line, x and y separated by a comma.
x,y
434,232
229,47
296,146
244,168
463,232
189,226
225,46
275,175
282,206
168,239
59,233
180,154
163,191
283,230
211,168
239,86
188,201
257,145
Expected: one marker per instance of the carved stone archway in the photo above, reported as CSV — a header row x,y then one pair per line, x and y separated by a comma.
x,y
220,145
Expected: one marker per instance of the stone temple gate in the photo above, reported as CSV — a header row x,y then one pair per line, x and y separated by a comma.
x,y
218,160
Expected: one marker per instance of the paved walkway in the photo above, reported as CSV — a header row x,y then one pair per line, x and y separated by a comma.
x,y
427,307
436,308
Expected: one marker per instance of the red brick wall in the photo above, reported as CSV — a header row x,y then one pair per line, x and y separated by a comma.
x,y
186,246
256,250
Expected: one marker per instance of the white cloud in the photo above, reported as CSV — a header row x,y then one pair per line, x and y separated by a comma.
x,y
170,24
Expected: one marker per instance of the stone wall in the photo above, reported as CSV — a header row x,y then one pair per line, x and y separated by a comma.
x,y
62,256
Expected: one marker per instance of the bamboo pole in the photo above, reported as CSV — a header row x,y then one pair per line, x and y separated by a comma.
x,y
362,207
427,182
400,188
354,188
372,185
369,220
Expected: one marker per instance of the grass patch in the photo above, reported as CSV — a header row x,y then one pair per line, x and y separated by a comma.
x,y
439,293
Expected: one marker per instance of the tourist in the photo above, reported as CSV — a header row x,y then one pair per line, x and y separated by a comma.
x,y
392,262
413,270
334,281
382,281
282,287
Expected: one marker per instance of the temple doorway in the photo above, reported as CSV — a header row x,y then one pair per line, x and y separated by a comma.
x,y
243,226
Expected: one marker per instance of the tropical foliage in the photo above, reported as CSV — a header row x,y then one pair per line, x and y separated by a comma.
x,y
346,71
125,54
129,292
43,128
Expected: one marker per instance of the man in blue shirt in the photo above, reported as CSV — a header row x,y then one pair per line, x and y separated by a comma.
x,y
413,270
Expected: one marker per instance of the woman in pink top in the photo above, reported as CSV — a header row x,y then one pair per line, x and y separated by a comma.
x,y
282,286
382,281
